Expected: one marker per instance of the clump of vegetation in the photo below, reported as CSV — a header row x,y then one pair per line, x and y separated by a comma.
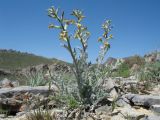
x,y
41,115
3,111
37,79
72,102
81,67
122,71
150,74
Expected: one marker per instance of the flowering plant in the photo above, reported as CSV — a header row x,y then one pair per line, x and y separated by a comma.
x,y
81,66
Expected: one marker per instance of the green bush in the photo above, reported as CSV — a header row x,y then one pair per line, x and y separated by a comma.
x,y
72,102
122,71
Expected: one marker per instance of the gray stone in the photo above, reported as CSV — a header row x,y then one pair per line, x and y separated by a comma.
x,y
43,90
122,103
2,116
14,99
103,109
143,100
109,85
155,108
15,83
10,105
130,82
6,83
20,114
128,113
152,117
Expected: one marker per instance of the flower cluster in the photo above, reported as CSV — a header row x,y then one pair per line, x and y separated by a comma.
x,y
105,37
105,40
78,14
52,12
63,35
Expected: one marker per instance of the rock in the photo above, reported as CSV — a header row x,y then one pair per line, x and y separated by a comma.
x,y
6,83
135,68
4,72
2,116
130,82
143,100
105,117
103,109
11,105
156,90
56,67
118,117
52,104
152,57
14,99
155,108
129,113
23,107
152,117
15,83
122,102
19,114
109,86
43,90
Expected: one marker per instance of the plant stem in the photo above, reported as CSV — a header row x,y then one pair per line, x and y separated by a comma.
x,y
77,73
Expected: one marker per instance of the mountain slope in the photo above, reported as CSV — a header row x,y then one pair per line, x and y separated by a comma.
x,y
11,59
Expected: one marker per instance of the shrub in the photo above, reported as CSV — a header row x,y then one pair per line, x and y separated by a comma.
x,y
36,79
72,102
41,115
150,72
122,71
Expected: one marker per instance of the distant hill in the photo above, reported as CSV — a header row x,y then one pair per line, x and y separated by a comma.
x,y
11,59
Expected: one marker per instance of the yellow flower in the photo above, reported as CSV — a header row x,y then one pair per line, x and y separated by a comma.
x,y
110,36
99,39
105,34
51,26
88,33
69,22
106,45
63,35
79,25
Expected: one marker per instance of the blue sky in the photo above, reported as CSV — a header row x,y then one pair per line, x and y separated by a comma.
x,y
24,26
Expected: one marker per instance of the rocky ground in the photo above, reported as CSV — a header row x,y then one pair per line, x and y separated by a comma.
x,y
16,101
126,99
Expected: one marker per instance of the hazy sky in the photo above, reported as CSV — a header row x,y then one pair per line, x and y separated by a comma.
x,y
24,26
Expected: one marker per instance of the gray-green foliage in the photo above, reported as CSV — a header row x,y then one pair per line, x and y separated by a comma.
x,y
66,100
150,72
41,115
36,79
81,66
